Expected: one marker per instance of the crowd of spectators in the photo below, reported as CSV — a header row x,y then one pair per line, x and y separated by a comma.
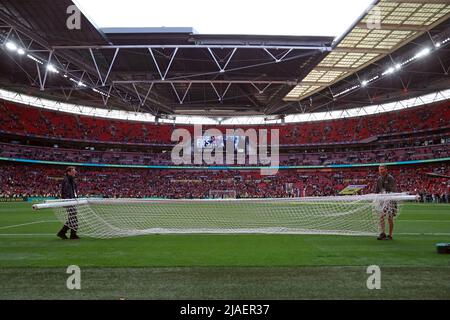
x,y
25,120
164,157
18,180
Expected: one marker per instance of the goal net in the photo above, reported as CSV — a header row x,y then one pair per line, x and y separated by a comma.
x,y
341,215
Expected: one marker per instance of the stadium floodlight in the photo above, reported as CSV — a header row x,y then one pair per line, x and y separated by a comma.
x,y
346,90
52,68
437,44
422,53
341,215
100,92
34,59
364,83
81,84
11,46
390,70
20,51
398,66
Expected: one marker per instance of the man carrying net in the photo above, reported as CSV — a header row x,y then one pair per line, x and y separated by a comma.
x,y
386,209
69,191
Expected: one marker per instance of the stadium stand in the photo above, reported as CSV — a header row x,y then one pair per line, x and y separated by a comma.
x,y
23,120
163,158
420,133
19,180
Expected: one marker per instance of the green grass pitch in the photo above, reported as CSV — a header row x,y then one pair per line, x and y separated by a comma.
x,y
33,262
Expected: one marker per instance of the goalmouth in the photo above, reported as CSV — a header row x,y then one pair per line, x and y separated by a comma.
x,y
111,218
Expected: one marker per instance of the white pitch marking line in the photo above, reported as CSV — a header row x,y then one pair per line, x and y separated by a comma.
x,y
423,234
26,224
27,234
437,221
399,233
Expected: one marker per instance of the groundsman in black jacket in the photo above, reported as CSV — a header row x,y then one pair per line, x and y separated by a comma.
x,y
69,191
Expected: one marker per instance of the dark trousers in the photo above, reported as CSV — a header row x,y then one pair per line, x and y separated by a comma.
x,y
72,221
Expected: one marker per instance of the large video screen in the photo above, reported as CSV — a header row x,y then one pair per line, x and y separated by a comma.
x,y
220,141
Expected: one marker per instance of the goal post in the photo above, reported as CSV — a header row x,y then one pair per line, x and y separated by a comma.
x,y
340,215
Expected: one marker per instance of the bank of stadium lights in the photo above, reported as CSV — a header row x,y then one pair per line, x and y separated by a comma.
x,y
347,90
364,83
388,71
52,68
441,43
11,46
397,67
393,69
78,82
100,92
422,53
34,59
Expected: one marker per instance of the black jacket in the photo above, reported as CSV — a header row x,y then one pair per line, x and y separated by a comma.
x,y
69,188
385,184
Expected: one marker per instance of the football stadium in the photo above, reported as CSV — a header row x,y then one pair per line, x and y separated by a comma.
x,y
174,150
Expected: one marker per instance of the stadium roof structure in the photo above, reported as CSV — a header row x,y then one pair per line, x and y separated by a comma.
x,y
180,72
387,27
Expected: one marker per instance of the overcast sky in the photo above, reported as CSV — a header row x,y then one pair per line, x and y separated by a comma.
x,y
252,17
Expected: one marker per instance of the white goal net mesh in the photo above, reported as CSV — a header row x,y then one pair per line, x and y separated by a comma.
x,y
342,215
